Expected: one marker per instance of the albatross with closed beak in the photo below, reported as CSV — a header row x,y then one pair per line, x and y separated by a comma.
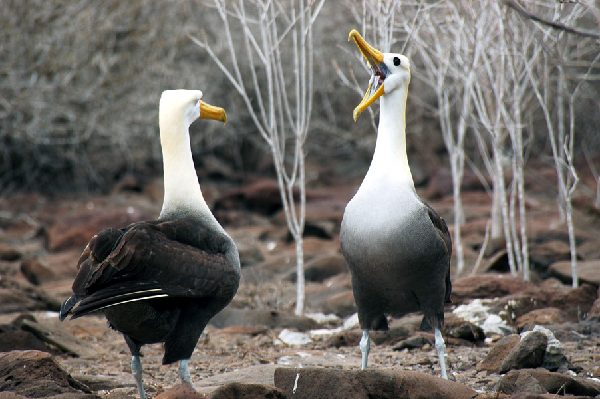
x,y
397,247
163,280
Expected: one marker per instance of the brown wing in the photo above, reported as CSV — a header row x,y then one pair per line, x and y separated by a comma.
x,y
440,225
177,258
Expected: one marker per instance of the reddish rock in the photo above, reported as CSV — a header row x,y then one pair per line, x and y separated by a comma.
x,y
180,391
12,337
574,302
320,383
537,396
9,253
328,209
314,247
236,390
245,330
587,271
543,381
529,353
17,296
542,316
323,267
341,304
594,312
36,271
17,227
486,286
457,327
36,374
548,252
344,338
260,196
267,318
77,230
440,183
500,351
62,264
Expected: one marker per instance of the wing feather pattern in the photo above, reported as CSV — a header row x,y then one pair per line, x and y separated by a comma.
x,y
146,260
442,228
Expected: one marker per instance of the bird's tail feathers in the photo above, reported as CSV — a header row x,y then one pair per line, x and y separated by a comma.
x,y
115,296
66,307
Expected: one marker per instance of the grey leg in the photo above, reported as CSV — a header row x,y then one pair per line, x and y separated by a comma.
x,y
441,349
184,371
365,347
136,370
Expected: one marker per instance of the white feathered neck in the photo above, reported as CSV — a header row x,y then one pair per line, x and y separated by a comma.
x,y
390,161
182,190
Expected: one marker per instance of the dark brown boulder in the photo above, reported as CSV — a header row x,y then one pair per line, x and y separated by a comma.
x,y
36,374
36,271
19,296
9,253
513,352
541,381
319,383
236,390
77,230
587,271
457,327
322,267
500,351
543,316
257,317
490,285
180,391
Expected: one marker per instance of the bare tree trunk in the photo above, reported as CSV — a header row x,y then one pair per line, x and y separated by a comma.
x,y
282,105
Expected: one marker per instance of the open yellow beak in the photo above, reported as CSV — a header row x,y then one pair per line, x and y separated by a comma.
x,y
208,111
374,58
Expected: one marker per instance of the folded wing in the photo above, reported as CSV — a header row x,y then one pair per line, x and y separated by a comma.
x,y
146,260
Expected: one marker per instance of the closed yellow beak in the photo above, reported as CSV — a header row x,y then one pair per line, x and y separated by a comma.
x,y
208,111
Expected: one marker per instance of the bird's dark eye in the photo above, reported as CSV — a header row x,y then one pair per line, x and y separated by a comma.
x,y
397,61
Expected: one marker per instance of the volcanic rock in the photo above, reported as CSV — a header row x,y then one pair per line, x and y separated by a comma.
x,y
36,374
17,296
486,286
500,351
36,272
236,390
457,327
548,252
319,383
513,352
341,304
9,253
268,318
588,271
541,316
322,267
544,381
77,230
180,391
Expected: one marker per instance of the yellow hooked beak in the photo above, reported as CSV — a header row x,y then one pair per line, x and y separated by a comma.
x,y
374,58
208,111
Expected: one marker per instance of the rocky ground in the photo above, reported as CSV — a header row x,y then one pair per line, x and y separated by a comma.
x,y
257,340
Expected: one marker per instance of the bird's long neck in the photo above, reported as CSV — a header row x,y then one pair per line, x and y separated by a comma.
x,y
182,191
390,148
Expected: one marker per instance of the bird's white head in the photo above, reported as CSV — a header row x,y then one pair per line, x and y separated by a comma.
x,y
389,72
178,109
185,106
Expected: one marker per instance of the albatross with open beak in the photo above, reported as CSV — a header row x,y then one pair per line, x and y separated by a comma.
x,y
163,280
397,247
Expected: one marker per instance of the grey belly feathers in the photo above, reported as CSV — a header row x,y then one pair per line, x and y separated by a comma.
x,y
397,256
